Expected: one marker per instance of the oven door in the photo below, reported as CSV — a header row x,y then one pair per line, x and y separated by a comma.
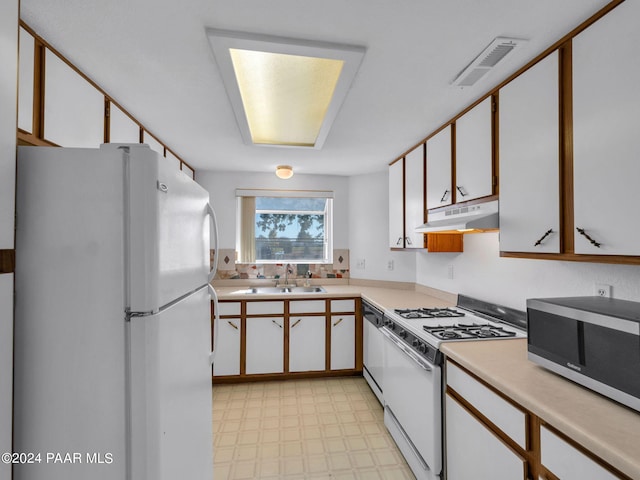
x,y
413,401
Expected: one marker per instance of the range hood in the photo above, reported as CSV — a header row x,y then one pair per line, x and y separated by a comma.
x,y
463,219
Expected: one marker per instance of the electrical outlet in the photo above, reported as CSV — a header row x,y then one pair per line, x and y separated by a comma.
x,y
360,263
390,265
603,290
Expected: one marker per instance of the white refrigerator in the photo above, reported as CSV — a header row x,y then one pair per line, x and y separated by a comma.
x,y
112,374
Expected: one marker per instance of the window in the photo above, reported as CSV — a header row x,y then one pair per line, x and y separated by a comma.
x,y
284,226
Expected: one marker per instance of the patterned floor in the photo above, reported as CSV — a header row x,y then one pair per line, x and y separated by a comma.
x,y
329,428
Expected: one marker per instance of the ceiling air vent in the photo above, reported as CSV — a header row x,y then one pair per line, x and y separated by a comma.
x,y
499,48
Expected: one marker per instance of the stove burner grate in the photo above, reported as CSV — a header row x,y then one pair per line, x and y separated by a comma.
x,y
429,313
462,331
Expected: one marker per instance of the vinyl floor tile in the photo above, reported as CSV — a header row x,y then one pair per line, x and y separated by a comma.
x,y
303,429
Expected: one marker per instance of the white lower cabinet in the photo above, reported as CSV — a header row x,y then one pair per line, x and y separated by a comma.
x,y
307,343
475,452
227,347
265,345
566,462
343,340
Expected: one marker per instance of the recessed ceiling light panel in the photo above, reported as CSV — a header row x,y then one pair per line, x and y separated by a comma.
x,y
284,92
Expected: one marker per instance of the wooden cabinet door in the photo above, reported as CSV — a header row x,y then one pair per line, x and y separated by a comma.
x,y
474,158
414,197
227,358
529,160
396,204
439,169
606,151
265,345
306,343
343,342
474,451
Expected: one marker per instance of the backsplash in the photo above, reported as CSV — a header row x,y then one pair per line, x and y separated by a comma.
x,y
228,269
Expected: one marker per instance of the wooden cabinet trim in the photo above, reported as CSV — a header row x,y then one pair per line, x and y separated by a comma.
x,y
7,261
533,451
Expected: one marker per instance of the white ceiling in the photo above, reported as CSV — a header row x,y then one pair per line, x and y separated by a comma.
x,y
154,58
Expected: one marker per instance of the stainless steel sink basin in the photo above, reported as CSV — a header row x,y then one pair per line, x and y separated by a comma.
x,y
280,290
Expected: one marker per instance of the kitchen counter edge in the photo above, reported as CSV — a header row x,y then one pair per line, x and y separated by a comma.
x,y
607,429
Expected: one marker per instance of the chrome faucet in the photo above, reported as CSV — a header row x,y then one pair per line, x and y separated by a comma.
x,y
287,270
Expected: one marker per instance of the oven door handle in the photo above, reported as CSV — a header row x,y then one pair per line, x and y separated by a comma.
x,y
410,353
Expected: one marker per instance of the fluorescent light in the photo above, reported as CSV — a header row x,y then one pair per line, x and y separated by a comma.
x,y
285,97
284,92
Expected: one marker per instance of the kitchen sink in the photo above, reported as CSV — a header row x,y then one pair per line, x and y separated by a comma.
x,y
283,289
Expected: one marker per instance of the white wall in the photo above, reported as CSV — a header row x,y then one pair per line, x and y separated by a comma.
x,y
8,95
222,190
480,272
369,232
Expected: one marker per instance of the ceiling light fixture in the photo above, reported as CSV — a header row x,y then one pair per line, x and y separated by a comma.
x,y
284,92
284,171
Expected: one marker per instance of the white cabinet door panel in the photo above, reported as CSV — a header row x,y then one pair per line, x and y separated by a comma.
x,y
307,343
529,160
414,197
265,345
474,153
227,358
566,462
606,151
396,208
343,341
474,452
439,169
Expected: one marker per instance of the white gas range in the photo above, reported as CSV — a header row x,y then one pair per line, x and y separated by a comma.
x,y
412,370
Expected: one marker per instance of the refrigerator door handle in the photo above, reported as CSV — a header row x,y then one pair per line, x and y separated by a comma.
x,y
216,318
214,223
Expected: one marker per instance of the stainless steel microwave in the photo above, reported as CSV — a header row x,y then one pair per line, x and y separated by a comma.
x,y
594,341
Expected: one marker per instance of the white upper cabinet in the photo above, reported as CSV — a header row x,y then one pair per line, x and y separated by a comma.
x,y
73,108
122,129
439,169
396,207
414,197
474,173
529,160
606,151
25,86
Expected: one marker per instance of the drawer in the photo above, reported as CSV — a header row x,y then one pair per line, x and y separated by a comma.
x,y
307,306
343,305
567,462
503,414
229,308
265,308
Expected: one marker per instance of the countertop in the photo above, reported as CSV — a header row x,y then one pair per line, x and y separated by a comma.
x,y
381,297
609,430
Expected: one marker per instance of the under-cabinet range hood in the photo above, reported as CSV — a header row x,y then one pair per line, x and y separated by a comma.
x,y
463,219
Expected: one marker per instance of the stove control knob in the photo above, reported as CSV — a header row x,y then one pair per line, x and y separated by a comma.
x,y
403,334
423,348
415,342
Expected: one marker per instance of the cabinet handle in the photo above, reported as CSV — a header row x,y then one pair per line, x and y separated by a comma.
x,y
399,241
337,322
585,235
444,195
408,240
546,234
460,190
296,322
232,324
276,323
